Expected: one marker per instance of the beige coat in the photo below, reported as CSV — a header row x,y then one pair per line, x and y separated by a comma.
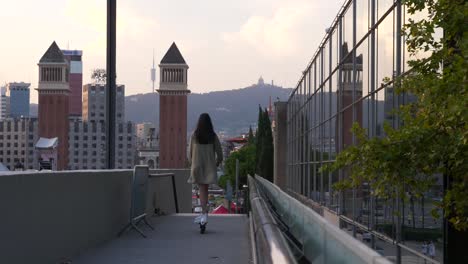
x,y
203,160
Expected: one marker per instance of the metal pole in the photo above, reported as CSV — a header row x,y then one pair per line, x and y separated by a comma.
x,y
398,73
237,184
340,114
110,81
174,192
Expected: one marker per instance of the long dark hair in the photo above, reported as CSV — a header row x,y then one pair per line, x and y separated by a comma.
x,y
204,134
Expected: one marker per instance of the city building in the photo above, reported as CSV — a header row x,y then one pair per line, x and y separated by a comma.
x,y
173,109
18,96
143,131
87,140
4,104
17,139
54,100
75,79
148,146
94,103
87,137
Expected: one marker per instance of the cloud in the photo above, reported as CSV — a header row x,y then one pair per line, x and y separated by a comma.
x,y
91,16
275,35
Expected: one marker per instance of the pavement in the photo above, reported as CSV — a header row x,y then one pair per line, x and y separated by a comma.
x,y
389,250
176,239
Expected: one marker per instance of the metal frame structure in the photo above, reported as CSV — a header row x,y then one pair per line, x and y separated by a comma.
x,y
341,85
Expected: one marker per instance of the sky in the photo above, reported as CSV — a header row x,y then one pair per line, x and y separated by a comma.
x,y
227,44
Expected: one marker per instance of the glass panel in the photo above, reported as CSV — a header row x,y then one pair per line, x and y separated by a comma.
x,y
362,18
326,60
334,50
362,84
384,59
326,101
383,6
334,95
318,71
380,111
348,27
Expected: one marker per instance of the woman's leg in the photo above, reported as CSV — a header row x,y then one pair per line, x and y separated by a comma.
x,y
204,197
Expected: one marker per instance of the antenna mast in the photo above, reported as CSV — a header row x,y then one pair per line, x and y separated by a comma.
x,y
153,73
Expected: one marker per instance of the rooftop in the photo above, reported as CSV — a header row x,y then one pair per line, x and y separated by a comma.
x,y
173,56
53,55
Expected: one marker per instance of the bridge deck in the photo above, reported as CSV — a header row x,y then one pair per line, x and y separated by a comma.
x,y
176,239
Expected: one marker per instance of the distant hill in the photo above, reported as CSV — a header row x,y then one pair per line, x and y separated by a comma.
x,y
232,111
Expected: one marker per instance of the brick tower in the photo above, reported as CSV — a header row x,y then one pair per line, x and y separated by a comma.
x,y
173,109
54,99
351,82
345,94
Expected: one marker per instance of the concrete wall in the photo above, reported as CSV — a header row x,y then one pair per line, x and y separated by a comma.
x,y
49,217
280,145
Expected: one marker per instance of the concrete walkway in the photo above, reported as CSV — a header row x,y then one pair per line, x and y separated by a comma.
x,y
176,239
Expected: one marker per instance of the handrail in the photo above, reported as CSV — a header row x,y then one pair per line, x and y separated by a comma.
x,y
321,241
270,245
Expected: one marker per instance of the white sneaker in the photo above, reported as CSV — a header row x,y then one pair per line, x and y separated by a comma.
x,y
198,219
204,219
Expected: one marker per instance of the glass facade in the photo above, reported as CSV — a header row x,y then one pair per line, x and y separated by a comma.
x,y
350,80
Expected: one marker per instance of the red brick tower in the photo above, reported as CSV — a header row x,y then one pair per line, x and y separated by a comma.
x,y
173,110
351,82
54,107
345,93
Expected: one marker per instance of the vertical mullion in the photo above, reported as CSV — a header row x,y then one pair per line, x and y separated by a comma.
x,y
353,54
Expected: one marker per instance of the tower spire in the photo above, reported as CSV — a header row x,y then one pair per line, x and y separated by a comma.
x,y
153,73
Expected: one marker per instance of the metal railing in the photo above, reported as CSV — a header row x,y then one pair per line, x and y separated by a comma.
x,y
269,245
309,233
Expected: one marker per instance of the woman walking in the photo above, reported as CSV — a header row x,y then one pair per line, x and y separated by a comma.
x,y
205,156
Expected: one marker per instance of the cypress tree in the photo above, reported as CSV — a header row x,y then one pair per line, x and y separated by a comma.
x,y
251,139
266,154
259,138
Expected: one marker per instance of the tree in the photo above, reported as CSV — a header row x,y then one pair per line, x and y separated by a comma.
x,y
433,137
246,157
266,154
251,139
99,76
259,138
